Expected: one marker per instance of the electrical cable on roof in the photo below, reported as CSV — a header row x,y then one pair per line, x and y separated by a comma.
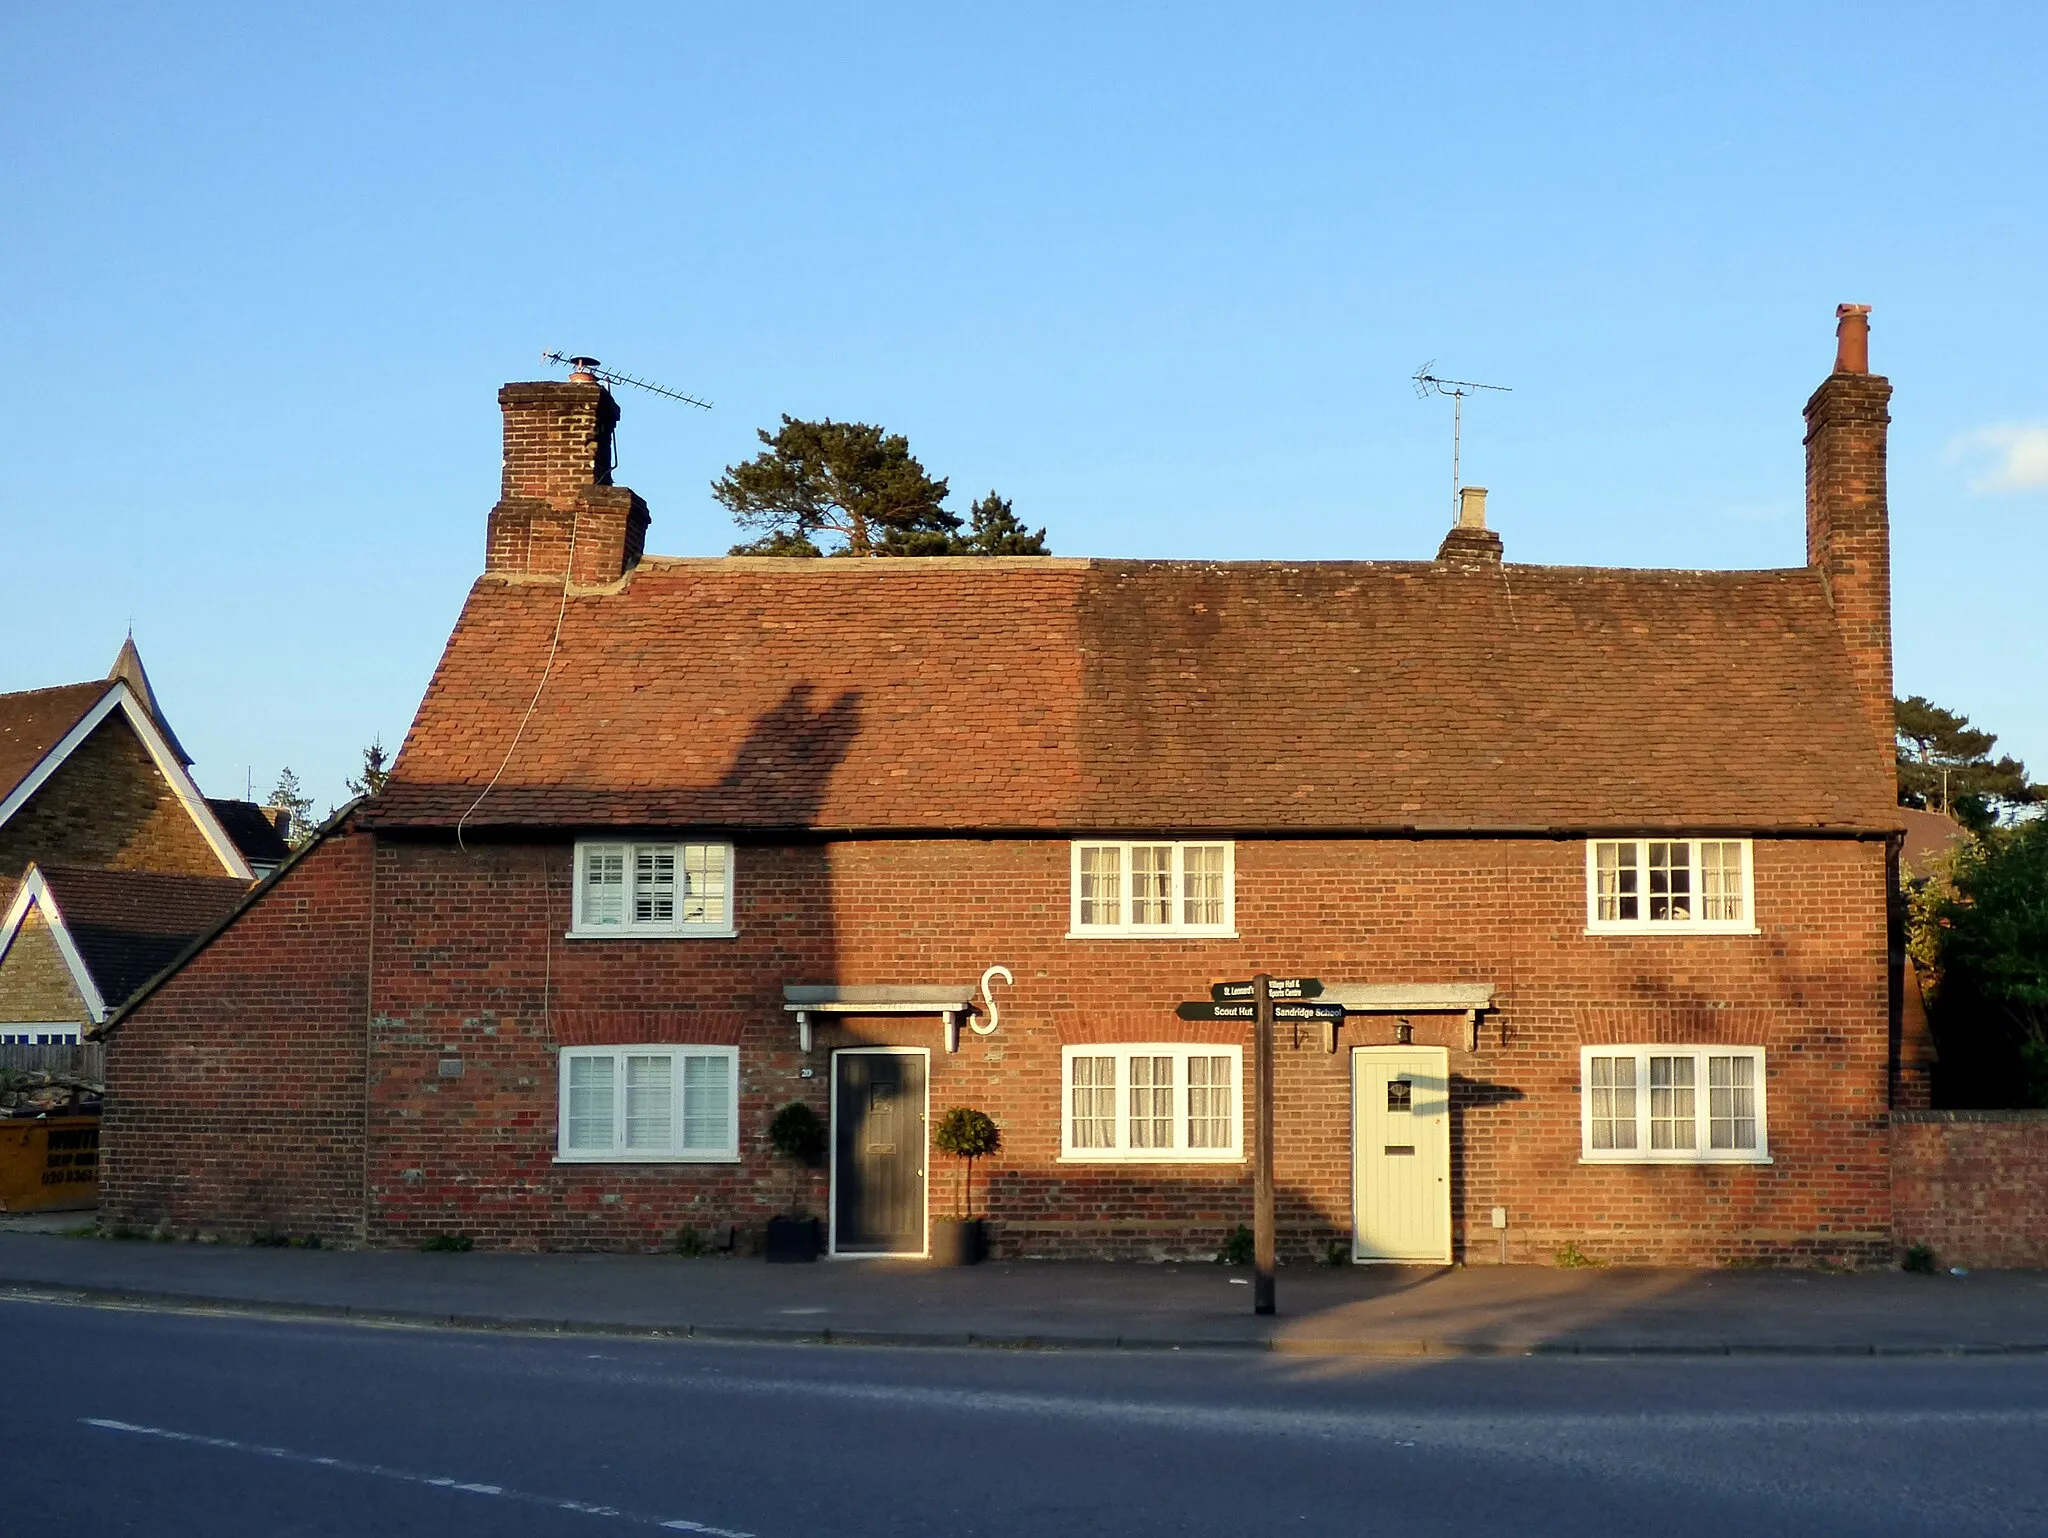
x,y
568,567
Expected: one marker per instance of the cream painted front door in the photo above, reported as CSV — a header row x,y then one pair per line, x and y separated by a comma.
x,y
1401,1153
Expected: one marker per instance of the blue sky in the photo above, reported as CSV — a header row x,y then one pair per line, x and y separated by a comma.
x,y
1158,274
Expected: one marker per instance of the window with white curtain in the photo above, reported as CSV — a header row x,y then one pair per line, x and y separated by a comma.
x,y
1670,885
1153,888
1153,1102
652,889
649,1104
1672,1105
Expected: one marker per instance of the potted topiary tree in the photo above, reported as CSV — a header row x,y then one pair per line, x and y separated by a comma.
x,y
966,1134
798,1134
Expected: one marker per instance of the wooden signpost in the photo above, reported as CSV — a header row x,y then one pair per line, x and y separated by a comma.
x,y
1249,1011
1263,1000
1276,988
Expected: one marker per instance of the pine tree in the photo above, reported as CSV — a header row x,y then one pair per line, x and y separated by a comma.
x,y
290,797
1945,765
844,479
993,529
848,488
376,770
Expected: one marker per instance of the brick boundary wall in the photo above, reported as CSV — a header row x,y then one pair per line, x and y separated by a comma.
x,y
1972,1186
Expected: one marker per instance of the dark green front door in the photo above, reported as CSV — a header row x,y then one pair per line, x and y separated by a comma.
x,y
878,1158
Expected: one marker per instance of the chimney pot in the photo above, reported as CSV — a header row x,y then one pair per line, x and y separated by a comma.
x,y
1852,339
1469,541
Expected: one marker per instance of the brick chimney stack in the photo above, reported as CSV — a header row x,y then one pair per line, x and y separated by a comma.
x,y
558,489
1470,542
1848,525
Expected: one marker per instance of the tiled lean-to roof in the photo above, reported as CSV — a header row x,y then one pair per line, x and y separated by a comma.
x,y
1057,694
129,924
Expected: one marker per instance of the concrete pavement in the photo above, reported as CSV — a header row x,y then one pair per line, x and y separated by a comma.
x,y
1369,1311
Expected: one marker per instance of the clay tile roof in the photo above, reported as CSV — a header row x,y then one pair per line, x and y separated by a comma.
x,y
129,924
1052,694
1930,836
35,721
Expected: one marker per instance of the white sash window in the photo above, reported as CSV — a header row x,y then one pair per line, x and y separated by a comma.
x,y
1672,1105
1149,888
649,1105
652,889
1670,886
1152,1103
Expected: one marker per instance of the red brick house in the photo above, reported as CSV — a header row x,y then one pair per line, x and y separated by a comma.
x,y
1596,859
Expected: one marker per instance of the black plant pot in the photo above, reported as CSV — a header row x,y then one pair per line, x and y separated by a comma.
x,y
959,1241
793,1239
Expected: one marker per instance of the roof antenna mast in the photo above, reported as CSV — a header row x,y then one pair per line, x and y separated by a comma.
x,y
1428,384
586,371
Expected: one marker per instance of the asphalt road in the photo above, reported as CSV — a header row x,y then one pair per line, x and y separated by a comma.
x,y
163,1424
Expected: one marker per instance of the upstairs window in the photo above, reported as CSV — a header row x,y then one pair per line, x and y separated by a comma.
x,y
1672,1105
1670,885
653,889
1153,889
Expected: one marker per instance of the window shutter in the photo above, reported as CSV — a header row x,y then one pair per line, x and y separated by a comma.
x,y
590,1103
707,1104
604,885
654,884
650,1103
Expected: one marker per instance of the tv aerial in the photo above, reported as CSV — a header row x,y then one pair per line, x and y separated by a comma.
x,y
586,371
1428,384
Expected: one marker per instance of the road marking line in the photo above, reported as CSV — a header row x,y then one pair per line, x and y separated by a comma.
x,y
406,1476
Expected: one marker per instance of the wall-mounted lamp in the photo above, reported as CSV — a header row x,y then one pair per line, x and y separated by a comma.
x,y
1404,1033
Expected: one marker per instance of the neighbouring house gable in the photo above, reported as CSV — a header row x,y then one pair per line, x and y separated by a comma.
x,y
91,779
1150,697
33,722
39,983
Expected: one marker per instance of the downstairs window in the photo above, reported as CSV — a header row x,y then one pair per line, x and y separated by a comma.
x,y
648,1105
1672,1105
1151,1102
